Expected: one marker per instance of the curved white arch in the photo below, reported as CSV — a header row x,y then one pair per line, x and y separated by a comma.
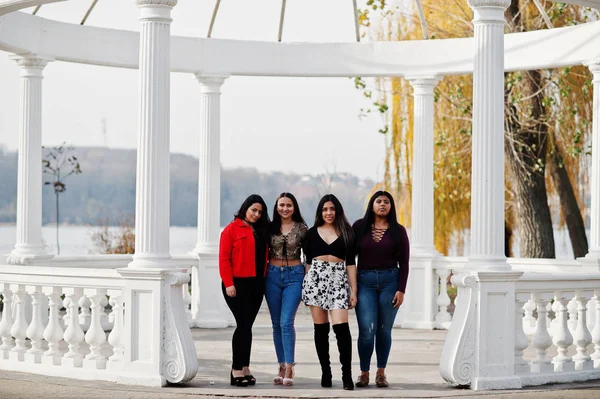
x,y
24,33
8,6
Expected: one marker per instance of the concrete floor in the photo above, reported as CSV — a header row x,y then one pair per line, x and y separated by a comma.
x,y
412,372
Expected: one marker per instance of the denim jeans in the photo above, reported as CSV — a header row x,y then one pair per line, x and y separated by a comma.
x,y
375,315
283,291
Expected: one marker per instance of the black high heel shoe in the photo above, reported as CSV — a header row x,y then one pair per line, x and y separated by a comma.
x,y
238,381
326,381
250,379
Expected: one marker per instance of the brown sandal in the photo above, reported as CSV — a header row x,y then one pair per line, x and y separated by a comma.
x,y
381,381
363,380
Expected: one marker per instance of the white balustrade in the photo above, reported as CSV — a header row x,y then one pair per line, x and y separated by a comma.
x,y
187,301
115,338
562,337
541,340
74,335
521,340
19,327
596,331
53,333
95,335
443,319
7,321
35,331
85,316
528,320
582,335
572,308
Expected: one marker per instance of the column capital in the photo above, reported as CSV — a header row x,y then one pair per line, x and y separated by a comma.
x,y
489,3
489,11
210,83
168,3
594,67
31,64
423,84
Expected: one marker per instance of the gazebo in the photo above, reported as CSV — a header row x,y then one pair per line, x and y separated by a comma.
x,y
150,341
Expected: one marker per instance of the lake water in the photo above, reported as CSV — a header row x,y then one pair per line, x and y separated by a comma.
x,y
76,240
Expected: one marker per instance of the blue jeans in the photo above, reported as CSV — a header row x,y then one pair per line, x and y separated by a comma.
x,y
375,315
283,291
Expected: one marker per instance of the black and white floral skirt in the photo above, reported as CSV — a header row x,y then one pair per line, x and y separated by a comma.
x,y
326,285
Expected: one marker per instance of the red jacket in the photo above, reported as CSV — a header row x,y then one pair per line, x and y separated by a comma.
x,y
236,252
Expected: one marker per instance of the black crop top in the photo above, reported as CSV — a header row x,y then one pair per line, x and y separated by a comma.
x,y
315,246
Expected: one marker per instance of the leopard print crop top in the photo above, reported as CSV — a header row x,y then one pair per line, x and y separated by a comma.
x,y
287,246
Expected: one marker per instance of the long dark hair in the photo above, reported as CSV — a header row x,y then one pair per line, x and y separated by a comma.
x,y
262,224
369,218
340,223
296,216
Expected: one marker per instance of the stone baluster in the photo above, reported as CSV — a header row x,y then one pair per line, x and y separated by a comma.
x,y
541,340
528,320
596,331
551,307
582,335
104,319
521,340
64,320
443,318
591,313
115,338
19,327
7,321
95,335
187,301
562,337
74,334
572,308
85,316
53,333
35,331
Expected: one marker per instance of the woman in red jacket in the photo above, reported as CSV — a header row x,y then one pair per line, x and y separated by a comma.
x,y
242,265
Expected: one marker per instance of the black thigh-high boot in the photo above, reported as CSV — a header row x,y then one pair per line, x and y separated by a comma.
x,y
322,346
344,343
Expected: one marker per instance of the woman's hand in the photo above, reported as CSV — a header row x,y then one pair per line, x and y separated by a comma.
x,y
230,291
398,299
352,301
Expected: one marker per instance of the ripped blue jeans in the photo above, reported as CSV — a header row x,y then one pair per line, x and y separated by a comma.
x,y
375,315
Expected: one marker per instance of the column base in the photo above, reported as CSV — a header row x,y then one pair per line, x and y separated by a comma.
x,y
21,258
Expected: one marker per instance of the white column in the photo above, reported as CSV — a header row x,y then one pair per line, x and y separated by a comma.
x,y
205,279
421,240
487,187
420,307
154,308
29,245
594,247
152,188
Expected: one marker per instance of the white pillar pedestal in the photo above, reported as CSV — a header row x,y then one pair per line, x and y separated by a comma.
x,y
419,308
29,248
593,256
208,306
159,347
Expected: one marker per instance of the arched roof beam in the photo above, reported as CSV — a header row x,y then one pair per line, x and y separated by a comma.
x,y
25,33
8,6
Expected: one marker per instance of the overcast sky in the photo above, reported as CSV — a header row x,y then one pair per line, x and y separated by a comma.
x,y
303,125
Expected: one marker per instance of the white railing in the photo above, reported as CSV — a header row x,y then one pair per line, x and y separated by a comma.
x,y
568,297
37,338
513,329
444,267
98,317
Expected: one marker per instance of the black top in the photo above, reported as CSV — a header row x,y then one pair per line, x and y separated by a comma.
x,y
392,251
260,253
315,246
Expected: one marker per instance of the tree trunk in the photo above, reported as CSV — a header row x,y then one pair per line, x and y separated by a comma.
x,y
568,204
526,143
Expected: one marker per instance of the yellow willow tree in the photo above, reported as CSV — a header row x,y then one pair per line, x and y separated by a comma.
x,y
559,100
